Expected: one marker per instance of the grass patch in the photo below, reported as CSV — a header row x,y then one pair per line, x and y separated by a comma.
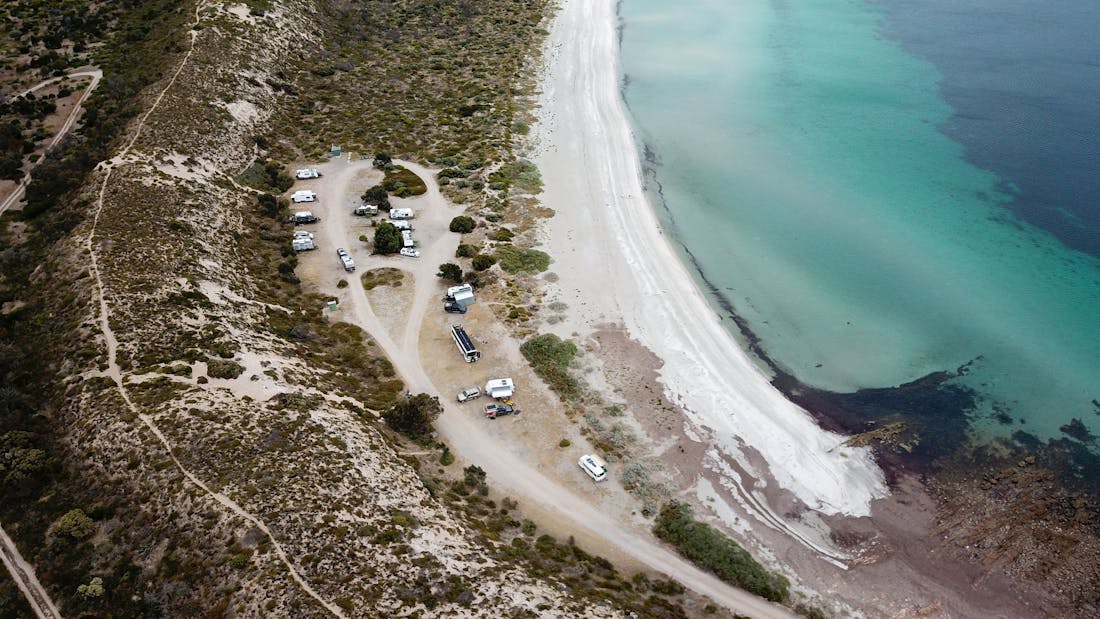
x,y
550,357
403,183
522,260
385,276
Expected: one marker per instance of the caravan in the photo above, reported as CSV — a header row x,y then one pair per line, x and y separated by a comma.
x,y
401,213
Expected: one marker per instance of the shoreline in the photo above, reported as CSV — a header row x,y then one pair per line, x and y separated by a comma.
x,y
764,456
607,237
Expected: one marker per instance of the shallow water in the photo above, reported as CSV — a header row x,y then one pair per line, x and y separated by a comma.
x,y
867,232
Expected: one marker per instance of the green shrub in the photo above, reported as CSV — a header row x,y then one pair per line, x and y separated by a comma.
x,y
451,272
462,224
387,239
75,524
564,443
222,368
465,251
550,357
520,260
378,196
413,416
483,262
504,234
710,550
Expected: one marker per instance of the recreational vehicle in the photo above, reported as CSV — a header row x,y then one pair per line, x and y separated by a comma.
x,y
465,345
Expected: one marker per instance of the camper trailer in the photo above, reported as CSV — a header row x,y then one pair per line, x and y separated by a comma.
x,y
407,239
465,345
303,195
500,388
302,244
402,224
365,210
401,213
460,295
306,173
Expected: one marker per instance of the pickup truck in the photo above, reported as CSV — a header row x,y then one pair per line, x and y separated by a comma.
x,y
492,411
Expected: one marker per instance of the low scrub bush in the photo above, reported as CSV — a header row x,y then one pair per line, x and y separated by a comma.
x,y
403,183
221,368
462,224
713,551
550,357
521,260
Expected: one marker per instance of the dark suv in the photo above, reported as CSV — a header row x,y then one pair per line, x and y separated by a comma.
x,y
492,411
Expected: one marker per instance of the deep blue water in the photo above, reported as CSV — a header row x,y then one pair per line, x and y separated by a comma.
x,y
1023,78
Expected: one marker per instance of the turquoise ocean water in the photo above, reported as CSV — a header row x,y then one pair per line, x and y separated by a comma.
x,y
811,160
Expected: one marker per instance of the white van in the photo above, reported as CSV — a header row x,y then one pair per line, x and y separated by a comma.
x,y
593,466
303,195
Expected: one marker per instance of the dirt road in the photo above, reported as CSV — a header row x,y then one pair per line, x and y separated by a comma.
x,y
17,194
23,575
539,491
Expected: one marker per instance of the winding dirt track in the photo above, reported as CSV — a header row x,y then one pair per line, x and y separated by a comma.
x,y
15,196
510,473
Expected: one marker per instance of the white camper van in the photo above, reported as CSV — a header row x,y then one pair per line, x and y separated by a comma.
x,y
303,195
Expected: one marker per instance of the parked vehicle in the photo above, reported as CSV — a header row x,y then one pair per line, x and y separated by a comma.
x,y
304,217
402,224
453,308
593,466
303,234
365,210
410,252
500,388
407,241
306,173
492,411
302,244
345,258
401,213
465,345
303,195
470,393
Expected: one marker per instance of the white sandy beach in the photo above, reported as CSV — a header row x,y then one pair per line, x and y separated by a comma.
x,y
616,266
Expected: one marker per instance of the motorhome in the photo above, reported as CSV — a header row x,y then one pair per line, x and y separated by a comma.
x,y
401,213
465,345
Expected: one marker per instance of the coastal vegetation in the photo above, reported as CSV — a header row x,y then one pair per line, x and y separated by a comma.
x,y
550,357
711,550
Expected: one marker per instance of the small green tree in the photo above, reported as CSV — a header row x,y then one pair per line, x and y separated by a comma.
x,y
382,159
465,251
93,589
75,524
378,196
269,204
413,416
450,272
473,476
462,224
387,239
483,262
